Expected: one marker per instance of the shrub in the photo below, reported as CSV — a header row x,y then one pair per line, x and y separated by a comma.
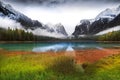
x,y
63,65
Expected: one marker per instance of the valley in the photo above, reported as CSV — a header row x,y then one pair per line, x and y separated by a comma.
x,y
41,40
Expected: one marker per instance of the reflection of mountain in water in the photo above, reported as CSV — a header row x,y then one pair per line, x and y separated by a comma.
x,y
53,47
85,46
71,46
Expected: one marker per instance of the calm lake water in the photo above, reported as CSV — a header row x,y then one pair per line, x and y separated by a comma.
x,y
56,46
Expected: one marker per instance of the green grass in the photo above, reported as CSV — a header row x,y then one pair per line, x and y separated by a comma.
x,y
107,68
47,67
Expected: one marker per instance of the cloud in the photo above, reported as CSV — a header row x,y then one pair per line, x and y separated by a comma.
x,y
60,1
43,32
9,23
117,28
54,3
6,22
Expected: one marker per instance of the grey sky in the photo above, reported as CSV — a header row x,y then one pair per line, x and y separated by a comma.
x,y
61,1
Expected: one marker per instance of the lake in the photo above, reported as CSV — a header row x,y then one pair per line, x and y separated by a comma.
x,y
56,46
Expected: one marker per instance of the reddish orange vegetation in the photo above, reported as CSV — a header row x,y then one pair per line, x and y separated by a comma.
x,y
94,55
80,56
14,53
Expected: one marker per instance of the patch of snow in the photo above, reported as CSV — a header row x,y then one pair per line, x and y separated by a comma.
x,y
109,13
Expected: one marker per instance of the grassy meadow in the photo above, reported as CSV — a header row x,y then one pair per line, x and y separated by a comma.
x,y
33,66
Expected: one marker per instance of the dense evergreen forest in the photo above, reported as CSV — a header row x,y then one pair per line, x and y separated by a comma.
x,y
15,35
111,36
20,35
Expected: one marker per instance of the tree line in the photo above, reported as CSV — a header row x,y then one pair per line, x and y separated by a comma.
x,y
111,36
21,35
15,35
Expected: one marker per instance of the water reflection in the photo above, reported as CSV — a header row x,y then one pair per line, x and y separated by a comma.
x,y
72,46
53,46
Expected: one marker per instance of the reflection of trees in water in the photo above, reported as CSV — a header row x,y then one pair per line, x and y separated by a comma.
x,y
55,47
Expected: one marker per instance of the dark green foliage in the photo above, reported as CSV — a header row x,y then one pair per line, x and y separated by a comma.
x,y
15,35
21,35
111,36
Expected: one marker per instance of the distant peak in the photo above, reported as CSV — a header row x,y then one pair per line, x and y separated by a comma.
x,y
109,13
118,8
59,25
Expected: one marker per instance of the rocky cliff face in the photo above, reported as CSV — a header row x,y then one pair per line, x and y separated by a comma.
x,y
105,20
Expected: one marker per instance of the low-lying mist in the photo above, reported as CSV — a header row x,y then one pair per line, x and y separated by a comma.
x,y
117,28
9,23
6,23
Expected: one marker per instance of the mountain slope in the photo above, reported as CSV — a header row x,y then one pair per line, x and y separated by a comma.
x,y
6,11
105,20
57,31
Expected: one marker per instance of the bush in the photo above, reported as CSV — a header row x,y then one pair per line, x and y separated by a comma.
x,y
63,65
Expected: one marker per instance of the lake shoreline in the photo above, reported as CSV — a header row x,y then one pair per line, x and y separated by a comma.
x,y
57,41
80,56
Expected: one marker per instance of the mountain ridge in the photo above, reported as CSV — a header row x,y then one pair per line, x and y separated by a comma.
x,y
6,10
106,19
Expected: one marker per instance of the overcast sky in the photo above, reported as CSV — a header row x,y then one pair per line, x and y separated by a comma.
x,y
67,12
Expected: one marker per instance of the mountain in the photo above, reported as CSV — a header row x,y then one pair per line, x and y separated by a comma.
x,y
6,11
57,31
105,20
59,28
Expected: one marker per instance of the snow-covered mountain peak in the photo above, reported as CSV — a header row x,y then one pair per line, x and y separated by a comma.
x,y
6,11
109,18
8,7
118,8
109,13
59,24
58,28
